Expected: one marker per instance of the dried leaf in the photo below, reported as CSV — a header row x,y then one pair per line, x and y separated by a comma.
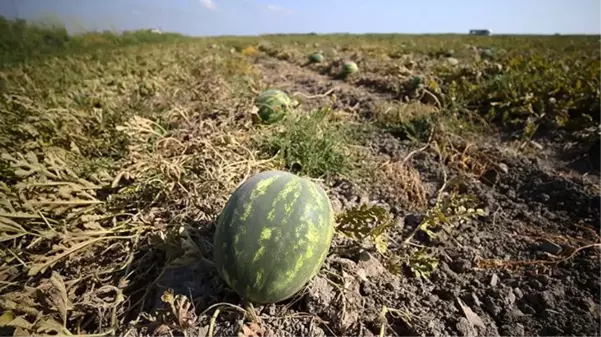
x,y
471,316
21,332
161,330
252,330
49,325
58,296
20,301
6,318
168,296
18,322
60,252
185,314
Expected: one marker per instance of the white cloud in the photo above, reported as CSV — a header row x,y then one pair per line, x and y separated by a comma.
x,y
209,4
276,8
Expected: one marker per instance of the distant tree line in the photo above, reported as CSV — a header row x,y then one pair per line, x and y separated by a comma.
x,y
23,41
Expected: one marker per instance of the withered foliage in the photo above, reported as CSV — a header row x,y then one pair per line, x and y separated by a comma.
x,y
116,162
106,158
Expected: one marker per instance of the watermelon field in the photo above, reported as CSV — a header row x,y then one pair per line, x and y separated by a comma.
x,y
462,174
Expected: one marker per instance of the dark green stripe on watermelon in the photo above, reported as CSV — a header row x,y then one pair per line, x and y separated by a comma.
x,y
273,236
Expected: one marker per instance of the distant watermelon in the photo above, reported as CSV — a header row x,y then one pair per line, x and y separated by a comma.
x,y
487,54
349,67
316,58
273,236
415,82
273,105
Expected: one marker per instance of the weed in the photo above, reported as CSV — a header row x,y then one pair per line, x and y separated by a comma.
x,y
311,145
450,210
413,120
404,183
366,224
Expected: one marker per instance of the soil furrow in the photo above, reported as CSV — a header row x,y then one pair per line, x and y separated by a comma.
x,y
295,79
533,214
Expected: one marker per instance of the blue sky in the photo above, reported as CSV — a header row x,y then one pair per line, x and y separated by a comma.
x,y
250,17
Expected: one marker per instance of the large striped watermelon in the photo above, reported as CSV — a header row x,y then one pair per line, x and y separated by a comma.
x,y
273,236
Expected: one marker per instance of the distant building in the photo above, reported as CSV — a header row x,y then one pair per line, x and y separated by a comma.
x,y
156,31
484,32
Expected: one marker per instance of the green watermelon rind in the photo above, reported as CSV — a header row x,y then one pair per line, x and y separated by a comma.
x,y
316,58
273,236
349,67
273,105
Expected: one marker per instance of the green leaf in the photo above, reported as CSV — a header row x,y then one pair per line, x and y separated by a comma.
x,y
363,221
422,263
381,244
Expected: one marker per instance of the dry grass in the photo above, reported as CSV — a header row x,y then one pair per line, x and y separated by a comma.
x,y
571,246
412,120
111,173
463,155
249,51
403,113
78,227
404,183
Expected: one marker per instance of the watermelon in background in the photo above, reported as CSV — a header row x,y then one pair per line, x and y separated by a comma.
x,y
273,105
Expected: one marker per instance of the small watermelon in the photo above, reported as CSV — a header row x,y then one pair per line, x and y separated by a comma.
x,y
273,236
415,82
487,54
273,105
349,67
316,58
